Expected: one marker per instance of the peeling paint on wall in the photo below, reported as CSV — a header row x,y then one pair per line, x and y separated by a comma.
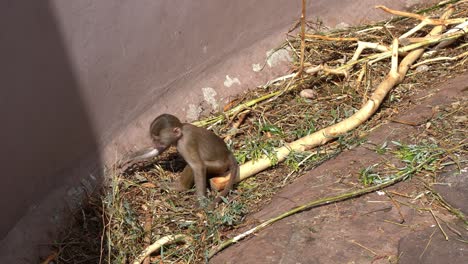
x,y
276,57
342,25
230,81
256,67
193,112
209,96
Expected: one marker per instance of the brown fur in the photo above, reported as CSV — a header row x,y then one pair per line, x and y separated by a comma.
x,y
206,154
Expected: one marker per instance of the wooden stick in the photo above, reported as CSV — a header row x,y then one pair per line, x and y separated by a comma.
x,y
362,45
394,65
237,124
414,30
303,22
400,13
416,40
427,244
402,220
158,244
429,21
411,47
322,37
438,224
364,247
51,257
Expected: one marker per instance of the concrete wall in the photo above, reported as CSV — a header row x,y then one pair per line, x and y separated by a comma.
x,y
46,129
82,79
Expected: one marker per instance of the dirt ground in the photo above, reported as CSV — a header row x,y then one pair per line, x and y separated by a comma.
x,y
379,227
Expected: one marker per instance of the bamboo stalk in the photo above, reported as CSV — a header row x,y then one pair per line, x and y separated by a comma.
x,y
408,48
158,244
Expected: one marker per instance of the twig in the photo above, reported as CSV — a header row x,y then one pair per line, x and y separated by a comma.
x,y
438,224
417,39
428,21
400,194
447,206
147,230
322,37
394,66
50,258
161,242
400,13
453,229
106,230
298,165
464,54
404,49
361,75
461,240
461,46
397,207
373,29
362,45
414,30
364,247
303,22
383,209
230,104
238,108
315,69
237,124
427,245
409,123
398,224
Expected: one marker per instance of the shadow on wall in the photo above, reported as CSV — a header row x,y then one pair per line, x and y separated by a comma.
x,y
44,127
